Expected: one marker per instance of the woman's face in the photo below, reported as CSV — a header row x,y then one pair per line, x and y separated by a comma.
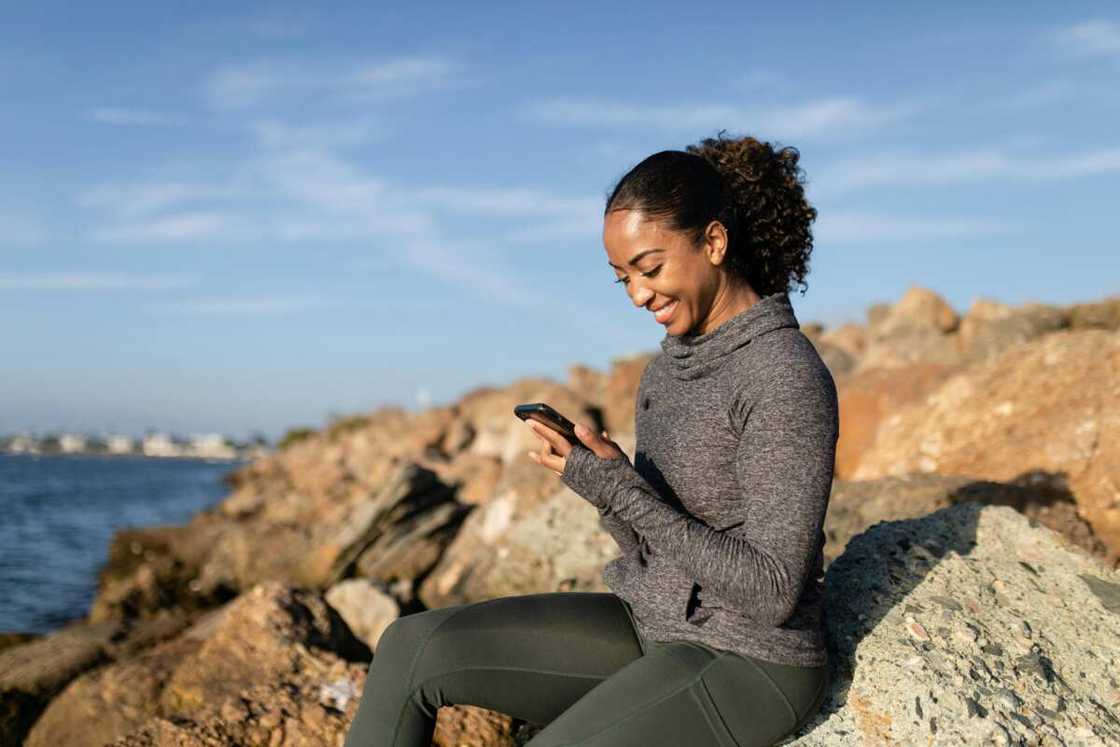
x,y
661,269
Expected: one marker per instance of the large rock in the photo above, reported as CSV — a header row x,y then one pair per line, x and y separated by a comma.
x,y
367,610
969,626
856,505
868,397
1104,314
525,542
31,673
252,664
989,327
917,329
1049,407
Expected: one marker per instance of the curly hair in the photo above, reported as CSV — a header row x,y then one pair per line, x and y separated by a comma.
x,y
755,190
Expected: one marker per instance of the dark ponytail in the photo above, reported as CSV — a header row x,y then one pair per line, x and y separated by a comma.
x,y
754,190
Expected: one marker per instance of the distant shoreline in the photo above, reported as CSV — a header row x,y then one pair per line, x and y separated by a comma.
x,y
101,455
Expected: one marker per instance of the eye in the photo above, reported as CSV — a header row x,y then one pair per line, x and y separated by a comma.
x,y
651,274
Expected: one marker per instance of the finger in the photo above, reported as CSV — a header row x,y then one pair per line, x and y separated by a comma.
x,y
556,441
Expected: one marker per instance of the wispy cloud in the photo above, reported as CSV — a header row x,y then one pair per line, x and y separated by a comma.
x,y
251,306
246,85
504,202
145,198
279,135
287,191
135,117
313,194
910,168
816,117
82,281
192,227
1090,38
856,227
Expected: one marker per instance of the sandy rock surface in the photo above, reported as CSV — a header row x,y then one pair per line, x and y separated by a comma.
x,y
970,626
1049,407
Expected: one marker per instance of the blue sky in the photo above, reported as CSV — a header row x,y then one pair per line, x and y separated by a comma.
x,y
235,217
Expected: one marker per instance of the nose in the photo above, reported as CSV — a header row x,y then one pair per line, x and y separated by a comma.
x,y
639,296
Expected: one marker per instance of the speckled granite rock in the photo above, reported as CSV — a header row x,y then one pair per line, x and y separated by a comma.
x,y
970,626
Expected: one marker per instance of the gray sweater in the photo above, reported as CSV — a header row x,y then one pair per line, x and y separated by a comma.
x,y
719,519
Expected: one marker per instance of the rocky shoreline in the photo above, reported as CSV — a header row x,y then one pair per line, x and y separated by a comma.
x,y
973,542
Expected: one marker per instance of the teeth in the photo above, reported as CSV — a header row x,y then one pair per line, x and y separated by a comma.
x,y
664,311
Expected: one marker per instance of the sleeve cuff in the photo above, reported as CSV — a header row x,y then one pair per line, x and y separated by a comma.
x,y
588,475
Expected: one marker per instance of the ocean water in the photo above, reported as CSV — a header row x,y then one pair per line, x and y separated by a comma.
x,y
58,514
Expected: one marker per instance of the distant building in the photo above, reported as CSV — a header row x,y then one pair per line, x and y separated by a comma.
x,y
120,445
71,443
212,446
159,445
22,445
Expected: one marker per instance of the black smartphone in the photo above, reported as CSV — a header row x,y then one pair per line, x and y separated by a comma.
x,y
542,413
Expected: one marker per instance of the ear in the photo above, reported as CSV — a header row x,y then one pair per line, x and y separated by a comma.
x,y
716,242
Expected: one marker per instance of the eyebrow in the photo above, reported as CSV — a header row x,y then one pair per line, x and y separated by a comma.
x,y
634,260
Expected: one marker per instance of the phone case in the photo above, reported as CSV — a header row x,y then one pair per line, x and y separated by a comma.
x,y
542,413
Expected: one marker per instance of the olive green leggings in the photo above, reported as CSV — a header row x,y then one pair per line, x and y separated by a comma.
x,y
574,661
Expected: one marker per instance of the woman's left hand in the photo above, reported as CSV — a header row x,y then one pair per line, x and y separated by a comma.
x,y
555,449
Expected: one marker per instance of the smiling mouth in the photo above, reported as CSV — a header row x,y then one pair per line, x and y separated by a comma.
x,y
662,314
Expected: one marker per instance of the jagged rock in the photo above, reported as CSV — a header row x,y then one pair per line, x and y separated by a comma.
x,y
474,477
856,505
498,432
989,328
152,568
272,650
520,544
965,625
918,309
869,396
31,673
588,383
366,609
1049,406
851,338
917,329
1097,315
10,640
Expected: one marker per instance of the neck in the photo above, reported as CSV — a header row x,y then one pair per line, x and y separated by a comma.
x,y
732,302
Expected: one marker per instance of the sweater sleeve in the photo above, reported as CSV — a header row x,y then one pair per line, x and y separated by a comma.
x,y
784,466
622,532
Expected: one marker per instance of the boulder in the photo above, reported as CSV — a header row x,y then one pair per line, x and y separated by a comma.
x,y
1104,314
525,542
969,625
919,309
1050,407
32,672
917,329
989,328
869,396
367,610
856,505
252,664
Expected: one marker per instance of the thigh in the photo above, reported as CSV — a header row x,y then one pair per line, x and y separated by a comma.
x,y
528,656
678,693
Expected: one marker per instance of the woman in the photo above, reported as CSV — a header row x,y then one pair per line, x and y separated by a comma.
x,y
713,632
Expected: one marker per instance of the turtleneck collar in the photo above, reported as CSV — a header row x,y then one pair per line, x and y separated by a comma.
x,y
694,356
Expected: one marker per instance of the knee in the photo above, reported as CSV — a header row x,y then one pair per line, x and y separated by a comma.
x,y
403,633
408,637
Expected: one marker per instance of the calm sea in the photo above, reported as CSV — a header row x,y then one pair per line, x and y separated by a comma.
x,y
58,513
